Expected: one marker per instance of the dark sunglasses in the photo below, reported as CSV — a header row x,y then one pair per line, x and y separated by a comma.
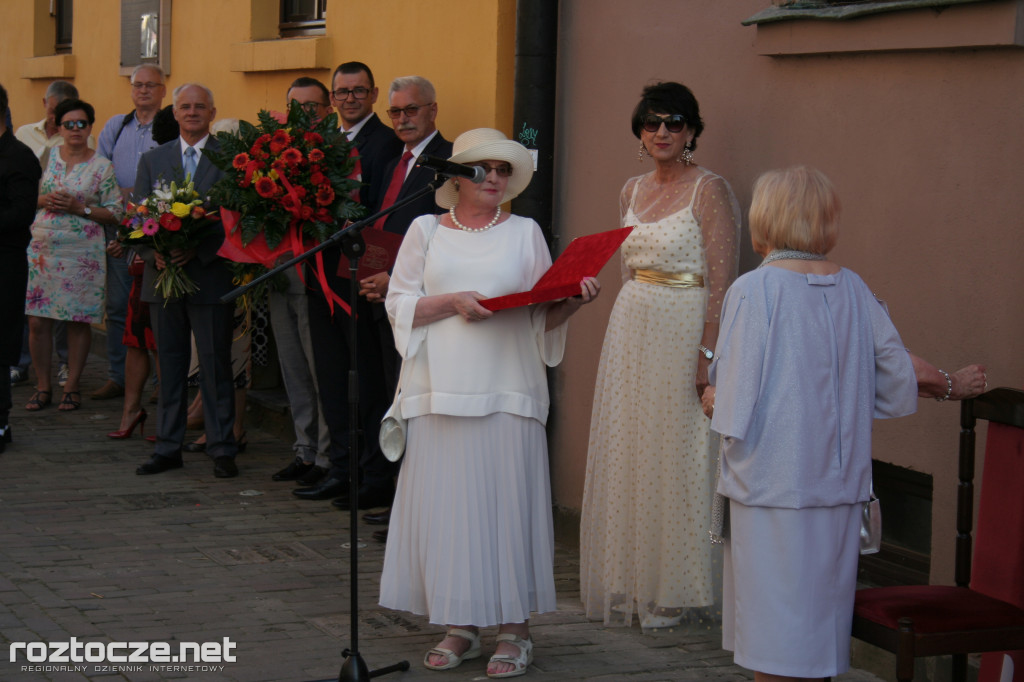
x,y
504,170
71,125
674,123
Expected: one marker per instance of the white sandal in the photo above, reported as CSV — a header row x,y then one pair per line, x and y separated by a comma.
x,y
520,663
452,659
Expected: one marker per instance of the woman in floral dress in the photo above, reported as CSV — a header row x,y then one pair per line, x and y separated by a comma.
x,y
66,258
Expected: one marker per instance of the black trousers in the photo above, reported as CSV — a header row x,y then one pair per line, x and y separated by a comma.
x,y
330,334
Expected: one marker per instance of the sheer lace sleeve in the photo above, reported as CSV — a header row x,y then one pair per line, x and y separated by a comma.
x,y
624,198
718,214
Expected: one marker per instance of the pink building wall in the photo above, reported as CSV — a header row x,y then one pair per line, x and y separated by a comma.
x,y
915,115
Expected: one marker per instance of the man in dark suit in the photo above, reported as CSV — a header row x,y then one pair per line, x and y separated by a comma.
x,y
202,312
413,110
19,190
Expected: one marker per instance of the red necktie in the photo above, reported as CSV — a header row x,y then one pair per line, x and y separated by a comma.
x,y
397,178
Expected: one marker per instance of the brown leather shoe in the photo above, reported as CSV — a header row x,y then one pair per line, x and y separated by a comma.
x,y
109,390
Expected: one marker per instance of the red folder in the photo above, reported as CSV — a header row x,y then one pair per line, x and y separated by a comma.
x,y
584,257
381,252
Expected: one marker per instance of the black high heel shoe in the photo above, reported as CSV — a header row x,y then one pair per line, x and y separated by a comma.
x,y
140,421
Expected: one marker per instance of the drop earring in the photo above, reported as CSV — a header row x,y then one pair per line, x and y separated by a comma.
x,y
642,153
686,158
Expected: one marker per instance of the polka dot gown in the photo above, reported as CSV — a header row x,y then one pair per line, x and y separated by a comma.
x,y
650,468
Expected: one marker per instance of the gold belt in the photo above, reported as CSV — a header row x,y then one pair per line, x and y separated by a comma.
x,y
681,280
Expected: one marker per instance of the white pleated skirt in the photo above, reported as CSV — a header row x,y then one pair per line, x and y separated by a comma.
x,y
471,540
788,588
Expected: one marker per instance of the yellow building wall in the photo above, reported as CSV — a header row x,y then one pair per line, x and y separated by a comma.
x,y
464,47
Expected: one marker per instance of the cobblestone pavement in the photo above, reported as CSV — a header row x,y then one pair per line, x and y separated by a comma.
x,y
90,550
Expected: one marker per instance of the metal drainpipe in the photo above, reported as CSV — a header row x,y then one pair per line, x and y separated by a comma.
x,y
534,107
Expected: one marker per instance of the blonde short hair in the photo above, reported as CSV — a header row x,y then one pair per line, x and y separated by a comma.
x,y
794,208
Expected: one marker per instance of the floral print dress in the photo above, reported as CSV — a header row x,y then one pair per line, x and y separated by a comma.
x,y
66,257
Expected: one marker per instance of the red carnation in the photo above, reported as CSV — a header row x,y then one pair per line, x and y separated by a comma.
x,y
300,191
317,178
282,136
277,147
292,156
266,187
315,155
170,222
288,202
325,195
240,161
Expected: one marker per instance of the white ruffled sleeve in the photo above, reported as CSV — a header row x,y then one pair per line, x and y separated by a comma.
x,y
406,286
551,344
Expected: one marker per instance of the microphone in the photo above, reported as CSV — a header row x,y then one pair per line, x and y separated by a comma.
x,y
474,174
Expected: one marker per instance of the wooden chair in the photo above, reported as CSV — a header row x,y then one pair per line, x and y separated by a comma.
x,y
984,613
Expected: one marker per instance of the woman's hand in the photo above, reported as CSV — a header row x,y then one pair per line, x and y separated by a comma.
x,y
466,304
707,401
58,201
558,314
968,382
701,375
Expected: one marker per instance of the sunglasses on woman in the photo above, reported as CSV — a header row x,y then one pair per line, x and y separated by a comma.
x,y
504,170
71,125
674,123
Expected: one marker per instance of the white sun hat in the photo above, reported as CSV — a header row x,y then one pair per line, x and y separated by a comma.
x,y
488,144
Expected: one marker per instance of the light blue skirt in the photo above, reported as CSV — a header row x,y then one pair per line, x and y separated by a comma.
x,y
788,588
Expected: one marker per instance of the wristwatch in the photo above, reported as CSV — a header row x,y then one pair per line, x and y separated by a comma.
x,y
86,211
708,353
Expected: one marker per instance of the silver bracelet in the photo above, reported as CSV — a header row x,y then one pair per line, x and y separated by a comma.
x,y
949,387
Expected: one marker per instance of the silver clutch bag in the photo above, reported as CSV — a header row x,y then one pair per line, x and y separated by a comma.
x,y
871,525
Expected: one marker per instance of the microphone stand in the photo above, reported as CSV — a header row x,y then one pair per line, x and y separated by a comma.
x,y
354,669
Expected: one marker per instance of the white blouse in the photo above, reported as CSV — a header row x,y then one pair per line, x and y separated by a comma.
x,y
458,368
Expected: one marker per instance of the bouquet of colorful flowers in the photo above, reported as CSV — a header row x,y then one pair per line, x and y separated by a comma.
x,y
172,217
289,182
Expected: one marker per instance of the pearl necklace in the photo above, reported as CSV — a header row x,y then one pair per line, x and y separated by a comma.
x,y
494,221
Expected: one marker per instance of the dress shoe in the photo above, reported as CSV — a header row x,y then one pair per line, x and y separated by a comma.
x,y
194,446
312,477
381,535
378,518
158,465
109,390
331,487
224,467
368,499
293,471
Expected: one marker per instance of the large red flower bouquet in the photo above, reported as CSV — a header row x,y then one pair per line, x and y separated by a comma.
x,y
172,217
288,183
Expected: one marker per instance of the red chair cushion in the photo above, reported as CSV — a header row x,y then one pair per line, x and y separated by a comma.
x,y
935,608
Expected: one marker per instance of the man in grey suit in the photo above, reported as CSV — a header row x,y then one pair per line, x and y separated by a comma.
x,y
202,312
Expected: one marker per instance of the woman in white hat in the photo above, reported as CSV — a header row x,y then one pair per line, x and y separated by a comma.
x,y
470,542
